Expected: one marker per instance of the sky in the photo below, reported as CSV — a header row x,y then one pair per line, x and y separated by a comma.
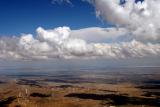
x,y
24,16
109,30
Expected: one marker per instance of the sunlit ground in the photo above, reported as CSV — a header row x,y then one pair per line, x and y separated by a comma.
x,y
124,87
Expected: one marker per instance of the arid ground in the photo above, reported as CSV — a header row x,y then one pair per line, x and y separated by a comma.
x,y
114,87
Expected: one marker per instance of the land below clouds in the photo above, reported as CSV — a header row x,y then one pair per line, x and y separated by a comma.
x,y
116,87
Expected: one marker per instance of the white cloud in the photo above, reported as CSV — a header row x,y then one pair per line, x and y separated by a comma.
x,y
137,35
96,34
61,42
141,19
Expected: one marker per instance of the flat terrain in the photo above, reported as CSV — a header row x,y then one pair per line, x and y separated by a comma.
x,y
120,87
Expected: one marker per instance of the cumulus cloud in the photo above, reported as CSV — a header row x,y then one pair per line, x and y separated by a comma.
x,y
141,18
136,35
100,35
59,43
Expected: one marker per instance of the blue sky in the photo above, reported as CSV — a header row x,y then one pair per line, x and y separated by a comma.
x,y
24,16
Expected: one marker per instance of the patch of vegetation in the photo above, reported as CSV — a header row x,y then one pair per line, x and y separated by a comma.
x,y
28,82
7,101
150,94
64,86
40,95
117,99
